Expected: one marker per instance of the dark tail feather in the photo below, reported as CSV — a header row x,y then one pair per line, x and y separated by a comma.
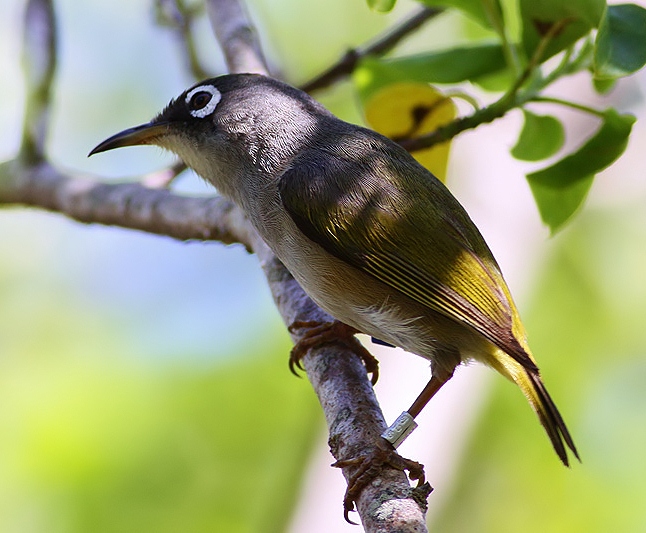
x,y
550,417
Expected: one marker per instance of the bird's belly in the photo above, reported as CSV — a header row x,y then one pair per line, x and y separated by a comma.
x,y
374,308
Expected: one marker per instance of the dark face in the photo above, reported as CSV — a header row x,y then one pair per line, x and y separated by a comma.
x,y
189,114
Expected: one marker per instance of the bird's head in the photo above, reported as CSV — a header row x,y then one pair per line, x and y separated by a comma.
x,y
230,126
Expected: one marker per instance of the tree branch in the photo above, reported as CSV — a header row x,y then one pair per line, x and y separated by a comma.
x,y
353,415
236,36
176,15
513,98
338,376
128,205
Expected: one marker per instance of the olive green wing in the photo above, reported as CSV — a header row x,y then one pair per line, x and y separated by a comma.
x,y
390,218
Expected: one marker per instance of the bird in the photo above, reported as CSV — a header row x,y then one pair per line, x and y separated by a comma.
x,y
374,238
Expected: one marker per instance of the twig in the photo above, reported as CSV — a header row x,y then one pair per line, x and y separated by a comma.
x,y
457,126
162,179
568,103
381,45
177,15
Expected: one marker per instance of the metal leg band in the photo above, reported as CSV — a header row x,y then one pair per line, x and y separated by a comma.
x,y
400,429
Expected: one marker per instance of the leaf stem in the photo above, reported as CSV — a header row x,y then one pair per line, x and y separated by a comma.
x,y
568,103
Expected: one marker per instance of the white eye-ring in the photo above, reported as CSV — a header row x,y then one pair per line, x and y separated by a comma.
x,y
202,100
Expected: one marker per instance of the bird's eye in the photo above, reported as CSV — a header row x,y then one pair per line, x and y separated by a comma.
x,y
202,100
199,100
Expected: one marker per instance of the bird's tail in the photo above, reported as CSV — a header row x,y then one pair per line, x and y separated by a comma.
x,y
531,384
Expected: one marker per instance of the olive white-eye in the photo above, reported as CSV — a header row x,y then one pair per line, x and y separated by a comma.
x,y
372,236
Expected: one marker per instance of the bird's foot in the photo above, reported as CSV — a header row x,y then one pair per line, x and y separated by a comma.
x,y
370,465
318,333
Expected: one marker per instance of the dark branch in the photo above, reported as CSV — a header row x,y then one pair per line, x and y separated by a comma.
x,y
447,132
380,46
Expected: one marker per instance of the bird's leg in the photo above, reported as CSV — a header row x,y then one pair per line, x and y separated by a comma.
x,y
318,333
384,455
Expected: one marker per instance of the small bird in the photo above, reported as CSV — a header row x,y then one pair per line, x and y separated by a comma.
x,y
372,236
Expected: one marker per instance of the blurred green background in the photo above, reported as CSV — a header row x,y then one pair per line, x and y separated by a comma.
x,y
143,382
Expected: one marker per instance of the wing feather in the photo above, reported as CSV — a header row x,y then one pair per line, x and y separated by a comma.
x,y
390,218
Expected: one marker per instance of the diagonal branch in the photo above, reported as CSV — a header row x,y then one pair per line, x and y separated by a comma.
x,y
513,98
237,37
381,45
353,415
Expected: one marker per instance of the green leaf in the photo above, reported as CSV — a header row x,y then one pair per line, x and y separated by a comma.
x,y
560,189
541,137
538,16
447,66
557,205
383,6
620,47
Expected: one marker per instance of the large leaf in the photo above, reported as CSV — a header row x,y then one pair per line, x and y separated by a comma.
x,y
541,137
620,47
561,188
446,66
538,16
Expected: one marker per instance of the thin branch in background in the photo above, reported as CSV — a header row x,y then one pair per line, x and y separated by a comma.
x,y
380,46
39,54
162,179
180,17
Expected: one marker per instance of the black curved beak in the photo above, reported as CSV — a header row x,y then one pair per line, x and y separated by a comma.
x,y
144,134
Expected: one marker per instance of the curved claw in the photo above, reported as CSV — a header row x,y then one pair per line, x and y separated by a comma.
x,y
295,363
321,333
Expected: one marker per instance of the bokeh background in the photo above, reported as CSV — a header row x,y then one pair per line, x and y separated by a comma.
x,y
143,381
